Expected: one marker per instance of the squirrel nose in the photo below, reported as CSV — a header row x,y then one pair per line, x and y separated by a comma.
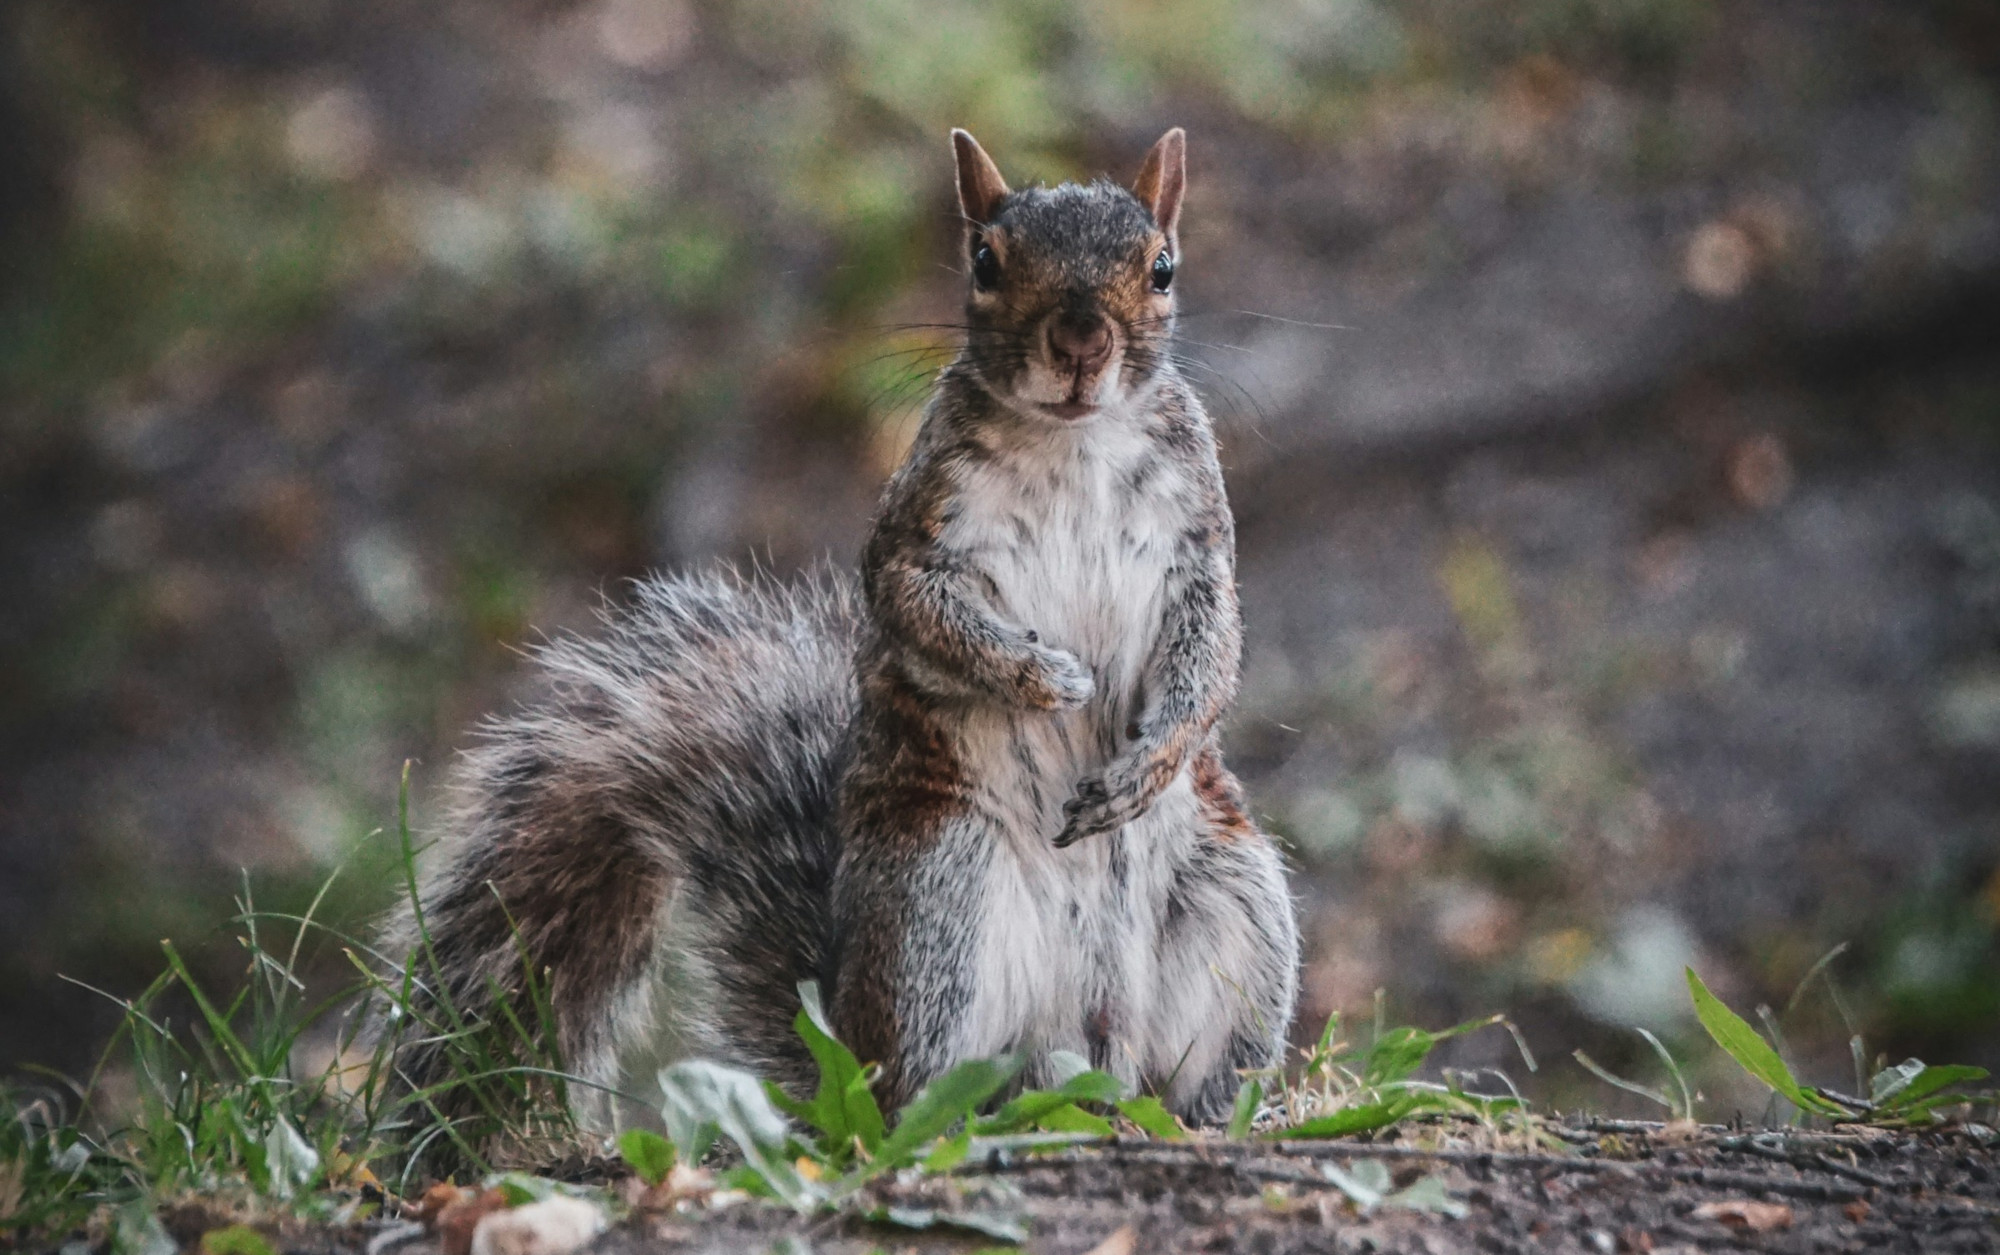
x,y
1079,344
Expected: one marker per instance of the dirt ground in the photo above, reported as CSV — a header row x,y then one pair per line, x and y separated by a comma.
x,y
1618,1187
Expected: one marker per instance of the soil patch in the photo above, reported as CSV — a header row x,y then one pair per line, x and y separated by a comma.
x,y
1602,1186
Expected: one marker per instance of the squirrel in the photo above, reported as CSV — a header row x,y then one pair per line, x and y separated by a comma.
x,y
977,796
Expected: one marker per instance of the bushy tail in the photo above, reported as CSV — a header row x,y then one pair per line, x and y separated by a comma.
x,y
676,774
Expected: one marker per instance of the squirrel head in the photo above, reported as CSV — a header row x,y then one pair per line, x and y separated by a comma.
x,y
1070,305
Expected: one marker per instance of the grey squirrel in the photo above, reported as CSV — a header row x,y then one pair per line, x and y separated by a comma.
x,y
979,797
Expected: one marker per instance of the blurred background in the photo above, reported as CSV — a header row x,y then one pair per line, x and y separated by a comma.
x,y
1609,391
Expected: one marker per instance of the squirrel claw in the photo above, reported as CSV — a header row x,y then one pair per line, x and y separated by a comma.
x,y
1080,827
1090,812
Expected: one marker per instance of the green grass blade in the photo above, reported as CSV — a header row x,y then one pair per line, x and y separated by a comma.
x,y
1611,1078
1686,1110
1799,990
218,1025
1249,1097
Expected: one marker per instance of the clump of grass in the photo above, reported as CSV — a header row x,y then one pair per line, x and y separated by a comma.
x,y
1345,1087
225,1105
1908,1094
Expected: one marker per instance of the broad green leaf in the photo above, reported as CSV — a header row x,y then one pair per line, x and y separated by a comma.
x,y
806,1113
749,1180
1151,1115
703,1099
943,1103
1093,1086
1070,1118
1395,1055
1889,1082
949,1153
1249,1097
1023,1110
1364,1182
648,1154
1066,1065
844,1110
1351,1120
1426,1194
1929,1080
1741,1043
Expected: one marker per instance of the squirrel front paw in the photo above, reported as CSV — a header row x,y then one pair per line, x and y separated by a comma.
x,y
1104,803
1055,679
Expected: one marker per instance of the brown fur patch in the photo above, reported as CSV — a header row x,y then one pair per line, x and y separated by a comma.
x,y
1220,795
906,779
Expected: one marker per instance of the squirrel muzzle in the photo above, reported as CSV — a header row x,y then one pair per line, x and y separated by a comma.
x,y
1079,348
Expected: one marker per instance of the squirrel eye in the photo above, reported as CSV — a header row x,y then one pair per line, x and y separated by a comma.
x,y
985,265
1163,272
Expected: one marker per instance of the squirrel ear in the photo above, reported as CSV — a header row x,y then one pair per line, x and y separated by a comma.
x,y
980,187
1163,179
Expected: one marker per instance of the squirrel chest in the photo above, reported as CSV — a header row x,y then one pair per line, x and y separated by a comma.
x,y
1074,538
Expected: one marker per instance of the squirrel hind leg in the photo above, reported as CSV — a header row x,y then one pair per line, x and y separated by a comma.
x,y
1228,959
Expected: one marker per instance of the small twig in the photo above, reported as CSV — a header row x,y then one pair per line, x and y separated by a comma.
x,y
1807,1160
1650,1128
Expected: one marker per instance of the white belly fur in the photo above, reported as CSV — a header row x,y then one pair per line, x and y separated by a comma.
x,y
1069,937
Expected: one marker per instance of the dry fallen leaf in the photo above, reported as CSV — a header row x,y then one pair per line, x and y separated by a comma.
x,y
1119,1243
1858,1210
682,1182
456,1223
1742,1213
428,1208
